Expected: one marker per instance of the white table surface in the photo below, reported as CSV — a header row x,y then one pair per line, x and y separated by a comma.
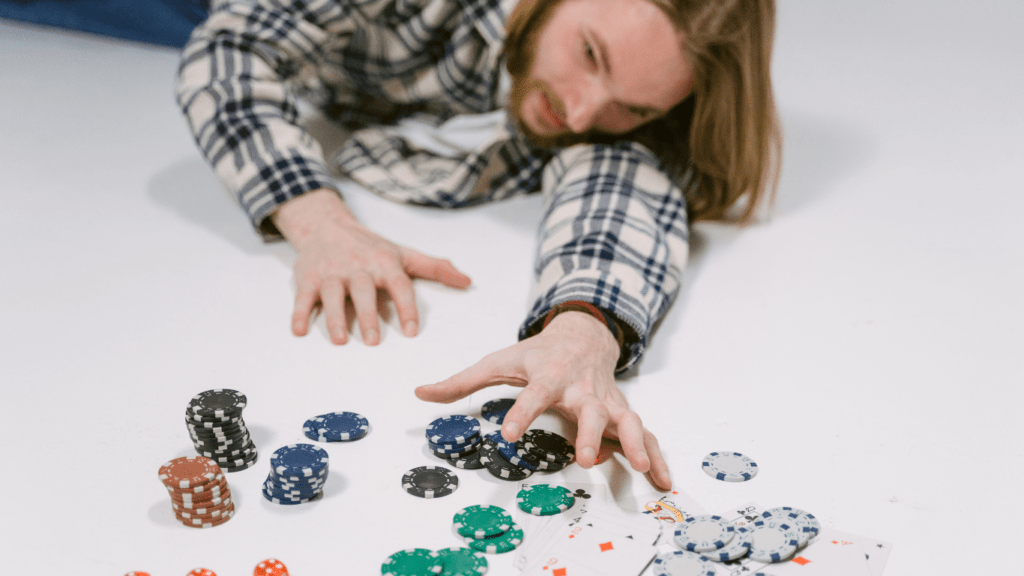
x,y
864,345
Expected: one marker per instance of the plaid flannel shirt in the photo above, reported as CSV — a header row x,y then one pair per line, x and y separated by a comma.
x,y
614,229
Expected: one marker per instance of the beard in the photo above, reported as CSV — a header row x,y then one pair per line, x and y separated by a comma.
x,y
523,85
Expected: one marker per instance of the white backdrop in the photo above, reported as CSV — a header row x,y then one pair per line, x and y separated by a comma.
x,y
864,345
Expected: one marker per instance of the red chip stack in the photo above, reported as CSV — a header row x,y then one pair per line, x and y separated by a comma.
x,y
199,492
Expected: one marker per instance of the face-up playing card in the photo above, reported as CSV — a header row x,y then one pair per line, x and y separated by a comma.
x,y
543,528
666,510
602,551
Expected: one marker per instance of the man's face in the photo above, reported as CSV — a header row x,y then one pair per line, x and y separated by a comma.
x,y
599,66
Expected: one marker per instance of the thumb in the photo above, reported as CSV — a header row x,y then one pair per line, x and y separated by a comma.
x,y
487,372
419,265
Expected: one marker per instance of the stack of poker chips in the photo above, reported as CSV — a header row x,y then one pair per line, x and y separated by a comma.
x,y
487,529
455,560
336,427
298,473
537,450
199,492
214,420
456,439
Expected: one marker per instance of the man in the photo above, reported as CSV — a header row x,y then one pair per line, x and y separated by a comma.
x,y
598,98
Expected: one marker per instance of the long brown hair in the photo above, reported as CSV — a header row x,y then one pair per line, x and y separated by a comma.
x,y
726,133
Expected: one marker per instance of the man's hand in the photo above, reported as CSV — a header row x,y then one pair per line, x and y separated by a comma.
x,y
339,258
569,366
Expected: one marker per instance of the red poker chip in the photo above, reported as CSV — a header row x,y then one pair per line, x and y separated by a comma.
x,y
188,472
270,567
216,484
214,491
193,504
211,514
201,509
137,574
201,572
207,523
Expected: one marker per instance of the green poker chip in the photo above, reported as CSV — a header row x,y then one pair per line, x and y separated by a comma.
x,y
462,562
482,521
506,542
412,562
544,499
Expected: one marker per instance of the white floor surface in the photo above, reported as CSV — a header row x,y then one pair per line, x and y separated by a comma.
x,y
865,345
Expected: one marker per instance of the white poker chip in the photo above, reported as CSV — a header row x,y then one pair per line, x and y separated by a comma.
x,y
703,533
734,550
729,466
807,526
683,563
774,540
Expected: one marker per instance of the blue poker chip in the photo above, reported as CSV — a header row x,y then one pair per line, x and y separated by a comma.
x,y
729,466
289,501
336,427
805,524
453,449
301,460
455,429
495,410
508,450
704,533
774,540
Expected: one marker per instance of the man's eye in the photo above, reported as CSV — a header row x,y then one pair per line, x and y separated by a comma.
x,y
589,51
639,113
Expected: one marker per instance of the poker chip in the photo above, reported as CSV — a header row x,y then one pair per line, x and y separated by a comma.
x,y
508,450
286,501
682,563
462,562
499,467
303,460
544,499
215,426
270,567
430,482
500,544
469,461
455,449
805,524
773,540
547,446
336,427
188,472
482,521
737,548
412,562
202,523
201,572
198,490
729,466
703,533
495,410
218,403
210,516
455,429
137,574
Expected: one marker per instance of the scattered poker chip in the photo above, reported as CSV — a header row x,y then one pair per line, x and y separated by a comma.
x,y
462,562
270,567
482,521
737,548
805,524
430,482
682,563
546,445
336,427
544,499
201,572
729,466
298,460
455,429
218,403
495,410
469,461
500,544
499,467
188,472
412,562
773,540
703,533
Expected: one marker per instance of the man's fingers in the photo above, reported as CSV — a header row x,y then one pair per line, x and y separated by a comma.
x,y
399,286
631,435
593,419
487,372
364,300
421,266
332,298
305,299
531,402
659,468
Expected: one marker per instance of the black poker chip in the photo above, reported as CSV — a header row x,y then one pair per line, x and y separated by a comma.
x,y
215,426
540,444
430,482
468,462
218,403
499,467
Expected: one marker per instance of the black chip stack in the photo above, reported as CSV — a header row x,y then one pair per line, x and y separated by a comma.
x,y
214,420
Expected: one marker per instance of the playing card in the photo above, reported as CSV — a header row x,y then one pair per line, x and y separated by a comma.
x,y
542,529
602,551
666,509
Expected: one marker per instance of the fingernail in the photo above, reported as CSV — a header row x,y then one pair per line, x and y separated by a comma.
x,y
370,337
589,455
513,430
410,328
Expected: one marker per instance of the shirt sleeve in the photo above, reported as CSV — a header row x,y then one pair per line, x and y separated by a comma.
x,y
232,87
614,233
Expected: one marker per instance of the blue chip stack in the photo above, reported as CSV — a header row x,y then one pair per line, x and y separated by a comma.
x,y
453,438
298,473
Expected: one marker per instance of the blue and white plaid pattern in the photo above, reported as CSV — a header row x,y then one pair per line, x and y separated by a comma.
x,y
614,231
